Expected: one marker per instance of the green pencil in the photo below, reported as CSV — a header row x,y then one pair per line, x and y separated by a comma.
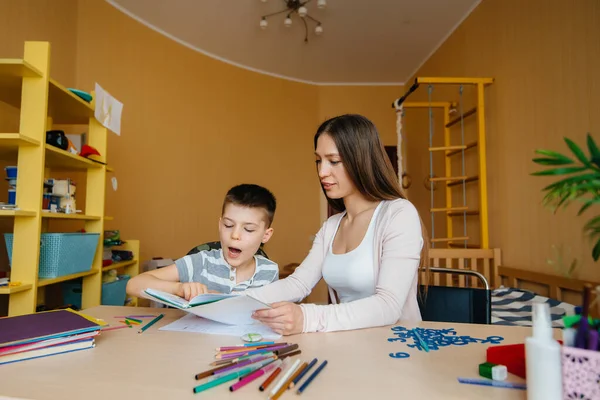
x,y
423,343
149,324
221,380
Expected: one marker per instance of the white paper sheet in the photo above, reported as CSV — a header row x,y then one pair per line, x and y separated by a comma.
x,y
192,323
235,310
108,110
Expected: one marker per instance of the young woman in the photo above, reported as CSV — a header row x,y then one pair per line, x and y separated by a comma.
x,y
369,254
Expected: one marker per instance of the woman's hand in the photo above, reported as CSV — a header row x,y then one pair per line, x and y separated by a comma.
x,y
189,290
284,318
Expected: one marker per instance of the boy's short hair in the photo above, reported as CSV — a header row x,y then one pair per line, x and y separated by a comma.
x,y
254,196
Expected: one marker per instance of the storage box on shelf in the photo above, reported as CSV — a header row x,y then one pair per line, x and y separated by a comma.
x,y
26,84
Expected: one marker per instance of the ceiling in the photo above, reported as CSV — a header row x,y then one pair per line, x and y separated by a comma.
x,y
364,41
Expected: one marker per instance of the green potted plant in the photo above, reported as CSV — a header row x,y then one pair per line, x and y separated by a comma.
x,y
579,181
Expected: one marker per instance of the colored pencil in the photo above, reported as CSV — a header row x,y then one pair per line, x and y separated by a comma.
x,y
248,369
243,364
135,316
270,379
112,328
149,324
242,349
286,384
286,349
255,375
228,361
247,352
274,374
423,344
292,354
211,371
310,378
216,382
489,382
281,382
139,321
239,346
302,373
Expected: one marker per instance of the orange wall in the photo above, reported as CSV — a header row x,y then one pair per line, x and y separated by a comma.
x,y
545,58
192,128
374,102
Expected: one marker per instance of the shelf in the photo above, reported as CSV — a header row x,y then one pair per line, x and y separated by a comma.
x,y
17,213
48,214
121,264
16,140
50,281
12,72
14,289
67,108
59,158
18,68
63,106
10,143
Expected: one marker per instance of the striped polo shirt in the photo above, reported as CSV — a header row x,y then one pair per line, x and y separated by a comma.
x,y
210,268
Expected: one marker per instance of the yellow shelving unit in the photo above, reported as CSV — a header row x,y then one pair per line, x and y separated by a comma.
x,y
26,84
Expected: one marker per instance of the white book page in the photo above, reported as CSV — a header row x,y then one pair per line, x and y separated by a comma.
x,y
233,311
192,323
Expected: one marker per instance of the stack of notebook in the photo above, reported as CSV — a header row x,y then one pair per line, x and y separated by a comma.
x,y
45,334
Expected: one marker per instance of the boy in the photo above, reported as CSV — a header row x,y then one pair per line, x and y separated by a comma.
x,y
245,223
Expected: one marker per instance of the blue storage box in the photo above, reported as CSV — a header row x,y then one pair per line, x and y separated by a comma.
x,y
62,253
113,293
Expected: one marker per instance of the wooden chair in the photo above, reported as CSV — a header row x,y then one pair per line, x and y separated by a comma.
x,y
484,261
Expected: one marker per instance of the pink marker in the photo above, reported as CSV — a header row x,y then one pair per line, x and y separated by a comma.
x,y
249,378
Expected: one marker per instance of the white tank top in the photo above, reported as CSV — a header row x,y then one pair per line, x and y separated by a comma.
x,y
351,274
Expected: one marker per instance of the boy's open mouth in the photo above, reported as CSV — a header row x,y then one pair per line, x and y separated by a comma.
x,y
234,252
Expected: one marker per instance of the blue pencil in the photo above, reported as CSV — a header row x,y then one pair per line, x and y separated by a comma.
x,y
489,382
301,374
310,378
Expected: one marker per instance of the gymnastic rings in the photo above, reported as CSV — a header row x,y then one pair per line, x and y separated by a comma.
x,y
429,185
406,180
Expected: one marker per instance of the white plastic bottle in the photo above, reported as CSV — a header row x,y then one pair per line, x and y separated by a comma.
x,y
543,358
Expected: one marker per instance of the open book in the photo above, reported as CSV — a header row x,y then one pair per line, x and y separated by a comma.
x,y
232,309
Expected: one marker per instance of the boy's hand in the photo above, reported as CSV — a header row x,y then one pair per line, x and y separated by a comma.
x,y
189,290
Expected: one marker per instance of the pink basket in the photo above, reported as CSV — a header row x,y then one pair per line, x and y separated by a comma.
x,y
581,373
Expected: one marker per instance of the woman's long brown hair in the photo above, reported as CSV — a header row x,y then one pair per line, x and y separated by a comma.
x,y
368,166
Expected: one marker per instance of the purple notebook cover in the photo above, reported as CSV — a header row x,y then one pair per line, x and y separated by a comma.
x,y
33,327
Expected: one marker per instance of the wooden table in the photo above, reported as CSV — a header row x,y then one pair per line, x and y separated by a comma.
x,y
161,365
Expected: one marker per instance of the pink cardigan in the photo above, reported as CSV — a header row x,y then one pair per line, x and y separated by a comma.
x,y
398,242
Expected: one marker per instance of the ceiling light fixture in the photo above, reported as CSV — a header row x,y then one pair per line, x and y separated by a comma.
x,y
298,8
